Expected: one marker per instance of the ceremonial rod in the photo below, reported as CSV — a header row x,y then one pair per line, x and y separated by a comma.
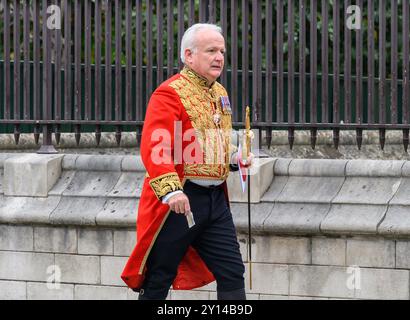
x,y
248,150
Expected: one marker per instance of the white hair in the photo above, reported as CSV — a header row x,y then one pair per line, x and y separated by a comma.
x,y
188,39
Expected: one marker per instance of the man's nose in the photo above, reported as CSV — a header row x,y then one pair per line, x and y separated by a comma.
x,y
219,56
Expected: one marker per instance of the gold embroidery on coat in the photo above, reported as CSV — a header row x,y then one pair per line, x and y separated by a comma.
x,y
165,183
197,98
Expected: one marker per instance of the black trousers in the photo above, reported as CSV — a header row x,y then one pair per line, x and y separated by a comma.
x,y
213,237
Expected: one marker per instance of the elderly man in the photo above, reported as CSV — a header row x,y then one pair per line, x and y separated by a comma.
x,y
185,233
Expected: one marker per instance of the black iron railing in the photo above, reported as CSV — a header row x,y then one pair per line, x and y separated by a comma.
x,y
298,64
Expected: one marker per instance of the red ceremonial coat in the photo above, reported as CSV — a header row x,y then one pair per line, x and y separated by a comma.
x,y
178,142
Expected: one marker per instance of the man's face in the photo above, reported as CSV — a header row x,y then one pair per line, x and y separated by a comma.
x,y
208,58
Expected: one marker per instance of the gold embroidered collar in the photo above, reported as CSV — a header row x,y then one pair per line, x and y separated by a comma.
x,y
196,78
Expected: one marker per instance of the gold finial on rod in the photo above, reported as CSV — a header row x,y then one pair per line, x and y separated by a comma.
x,y
247,130
246,138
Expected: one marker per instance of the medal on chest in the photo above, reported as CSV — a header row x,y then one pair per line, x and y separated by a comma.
x,y
226,105
217,118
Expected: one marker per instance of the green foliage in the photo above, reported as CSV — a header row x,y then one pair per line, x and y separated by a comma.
x,y
141,45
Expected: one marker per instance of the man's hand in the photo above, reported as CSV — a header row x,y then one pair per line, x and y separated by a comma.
x,y
248,162
179,203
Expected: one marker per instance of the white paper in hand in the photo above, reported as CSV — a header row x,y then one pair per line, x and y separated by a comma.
x,y
190,219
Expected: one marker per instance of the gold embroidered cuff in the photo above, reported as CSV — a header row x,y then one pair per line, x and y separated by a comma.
x,y
165,183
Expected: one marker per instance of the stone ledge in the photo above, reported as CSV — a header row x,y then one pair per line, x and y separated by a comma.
x,y
102,163
374,168
282,166
299,189
396,222
341,168
313,197
1,182
317,167
295,218
364,190
353,219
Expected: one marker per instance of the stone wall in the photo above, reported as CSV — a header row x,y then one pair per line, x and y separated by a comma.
x,y
322,229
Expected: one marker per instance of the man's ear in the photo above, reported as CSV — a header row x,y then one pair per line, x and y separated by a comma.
x,y
188,55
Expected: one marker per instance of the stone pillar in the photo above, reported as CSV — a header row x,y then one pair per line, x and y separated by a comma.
x,y
31,174
261,178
